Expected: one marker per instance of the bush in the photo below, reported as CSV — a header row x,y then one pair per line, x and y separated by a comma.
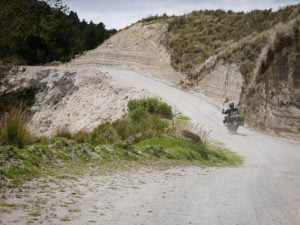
x,y
105,133
13,128
138,109
138,114
147,118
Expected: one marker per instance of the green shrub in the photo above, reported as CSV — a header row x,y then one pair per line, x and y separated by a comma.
x,y
123,127
138,109
148,118
147,127
13,128
138,114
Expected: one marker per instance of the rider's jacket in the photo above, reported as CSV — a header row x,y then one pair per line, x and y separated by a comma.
x,y
230,111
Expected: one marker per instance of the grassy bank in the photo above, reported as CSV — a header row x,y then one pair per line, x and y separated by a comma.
x,y
195,37
148,135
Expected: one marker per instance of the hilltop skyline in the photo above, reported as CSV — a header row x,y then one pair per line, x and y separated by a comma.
x,y
119,14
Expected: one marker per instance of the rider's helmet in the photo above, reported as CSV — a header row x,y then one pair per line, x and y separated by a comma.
x,y
231,105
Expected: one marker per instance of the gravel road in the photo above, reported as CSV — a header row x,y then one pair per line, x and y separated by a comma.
x,y
265,190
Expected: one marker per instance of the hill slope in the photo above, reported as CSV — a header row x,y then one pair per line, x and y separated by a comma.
x,y
249,58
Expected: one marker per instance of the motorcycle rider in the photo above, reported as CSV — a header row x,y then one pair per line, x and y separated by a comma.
x,y
229,111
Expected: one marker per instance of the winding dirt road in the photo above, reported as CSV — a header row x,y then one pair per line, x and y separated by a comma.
x,y
265,190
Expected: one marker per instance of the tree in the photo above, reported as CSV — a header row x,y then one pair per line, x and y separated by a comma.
x,y
33,32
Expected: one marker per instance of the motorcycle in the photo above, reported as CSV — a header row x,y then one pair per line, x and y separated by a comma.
x,y
233,121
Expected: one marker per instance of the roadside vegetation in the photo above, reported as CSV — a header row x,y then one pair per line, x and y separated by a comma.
x,y
33,32
13,129
149,134
194,37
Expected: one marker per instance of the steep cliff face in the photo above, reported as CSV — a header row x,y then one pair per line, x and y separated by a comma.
x,y
272,100
261,73
220,80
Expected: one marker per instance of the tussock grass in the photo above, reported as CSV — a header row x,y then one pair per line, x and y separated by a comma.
x,y
104,134
63,132
82,136
13,128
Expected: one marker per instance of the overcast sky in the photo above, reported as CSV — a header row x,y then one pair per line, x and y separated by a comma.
x,y
120,13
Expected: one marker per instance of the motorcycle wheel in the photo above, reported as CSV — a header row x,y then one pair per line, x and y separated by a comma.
x,y
233,128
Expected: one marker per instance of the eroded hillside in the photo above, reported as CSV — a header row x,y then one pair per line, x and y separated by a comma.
x,y
139,47
249,58
61,98
261,74
80,95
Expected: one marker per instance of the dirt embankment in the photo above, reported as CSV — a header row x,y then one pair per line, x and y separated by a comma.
x,y
136,48
78,95
271,100
261,74
75,99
